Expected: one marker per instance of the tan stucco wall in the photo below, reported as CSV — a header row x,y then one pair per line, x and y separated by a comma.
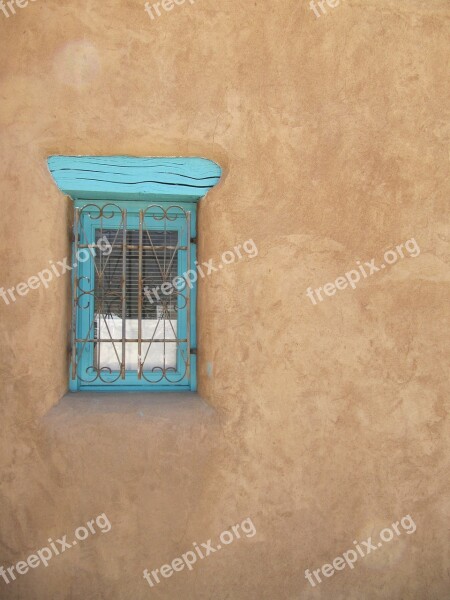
x,y
325,423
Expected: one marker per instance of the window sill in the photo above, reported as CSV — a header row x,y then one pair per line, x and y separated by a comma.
x,y
186,408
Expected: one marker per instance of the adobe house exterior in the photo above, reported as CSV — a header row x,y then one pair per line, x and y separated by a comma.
x,y
323,422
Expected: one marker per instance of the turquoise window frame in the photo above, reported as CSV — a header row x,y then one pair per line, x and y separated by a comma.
x,y
175,381
135,183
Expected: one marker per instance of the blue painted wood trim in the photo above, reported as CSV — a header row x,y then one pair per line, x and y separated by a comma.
x,y
134,178
84,318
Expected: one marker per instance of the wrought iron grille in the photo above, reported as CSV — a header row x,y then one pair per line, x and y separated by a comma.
x,y
131,304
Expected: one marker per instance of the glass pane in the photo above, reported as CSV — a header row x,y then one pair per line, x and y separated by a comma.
x,y
159,311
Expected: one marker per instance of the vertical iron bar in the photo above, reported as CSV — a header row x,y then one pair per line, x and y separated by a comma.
x,y
74,294
124,291
140,294
188,299
164,277
99,313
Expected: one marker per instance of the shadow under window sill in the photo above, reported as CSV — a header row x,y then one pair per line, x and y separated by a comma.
x,y
174,407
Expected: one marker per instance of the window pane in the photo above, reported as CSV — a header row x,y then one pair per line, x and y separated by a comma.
x,y
159,311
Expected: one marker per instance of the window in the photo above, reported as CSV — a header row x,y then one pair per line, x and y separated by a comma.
x,y
133,305
132,326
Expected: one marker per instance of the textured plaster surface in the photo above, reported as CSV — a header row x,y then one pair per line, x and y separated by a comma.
x,y
322,423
